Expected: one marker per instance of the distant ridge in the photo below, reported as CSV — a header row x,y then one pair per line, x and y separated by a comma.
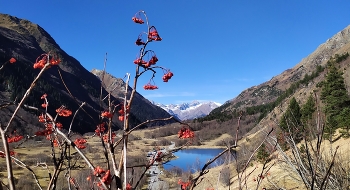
x,y
188,111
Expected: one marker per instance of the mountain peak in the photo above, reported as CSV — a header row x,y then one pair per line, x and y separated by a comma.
x,y
190,110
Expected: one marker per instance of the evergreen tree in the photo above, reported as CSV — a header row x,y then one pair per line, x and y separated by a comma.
x,y
344,121
291,120
335,97
308,109
292,116
262,155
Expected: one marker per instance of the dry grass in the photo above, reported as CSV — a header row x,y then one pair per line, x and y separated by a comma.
x,y
279,175
213,143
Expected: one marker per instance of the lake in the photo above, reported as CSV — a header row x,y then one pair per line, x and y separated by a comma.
x,y
194,159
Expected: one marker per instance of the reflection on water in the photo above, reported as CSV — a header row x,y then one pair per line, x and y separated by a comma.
x,y
194,159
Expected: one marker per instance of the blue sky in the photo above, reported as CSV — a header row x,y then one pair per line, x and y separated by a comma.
x,y
215,48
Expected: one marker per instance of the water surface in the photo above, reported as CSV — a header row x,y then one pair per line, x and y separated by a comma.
x,y
194,159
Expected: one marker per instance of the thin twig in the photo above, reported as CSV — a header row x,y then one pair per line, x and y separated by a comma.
x,y
204,171
26,95
71,95
325,179
10,177
75,114
252,154
23,165
71,143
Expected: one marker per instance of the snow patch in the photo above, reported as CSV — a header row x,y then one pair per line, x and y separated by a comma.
x,y
192,110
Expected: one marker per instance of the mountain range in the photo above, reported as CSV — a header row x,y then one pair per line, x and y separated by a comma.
x,y
70,84
188,111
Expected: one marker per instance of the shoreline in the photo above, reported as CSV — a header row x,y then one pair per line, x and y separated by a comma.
x,y
201,147
205,147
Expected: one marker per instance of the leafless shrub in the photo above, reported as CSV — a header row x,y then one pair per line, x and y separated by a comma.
x,y
225,176
164,142
175,171
34,159
225,142
318,166
27,184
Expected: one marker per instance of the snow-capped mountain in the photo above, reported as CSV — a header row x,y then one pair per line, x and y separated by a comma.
x,y
186,111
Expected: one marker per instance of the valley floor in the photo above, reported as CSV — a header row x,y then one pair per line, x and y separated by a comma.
x,y
276,174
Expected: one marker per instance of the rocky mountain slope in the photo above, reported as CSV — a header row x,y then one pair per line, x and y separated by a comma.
x,y
192,110
269,91
263,104
142,107
68,84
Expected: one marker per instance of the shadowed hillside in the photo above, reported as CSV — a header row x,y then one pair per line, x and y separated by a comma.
x,y
26,41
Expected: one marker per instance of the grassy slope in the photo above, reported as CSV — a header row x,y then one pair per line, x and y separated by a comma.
x,y
279,174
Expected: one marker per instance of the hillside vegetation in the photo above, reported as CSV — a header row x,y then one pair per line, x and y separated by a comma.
x,y
95,131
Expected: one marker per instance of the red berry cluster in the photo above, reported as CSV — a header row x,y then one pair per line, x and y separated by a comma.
x,y
43,133
185,133
98,171
167,76
106,137
106,178
43,59
122,113
49,124
128,186
49,128
59,125
14,138
139,42
12,60
2,155
100,129
45,104
106,114
153,34
63,111
43,119
80,143
137,20
153,60
139,61
150,87
184,185
54,141
159,156
142,62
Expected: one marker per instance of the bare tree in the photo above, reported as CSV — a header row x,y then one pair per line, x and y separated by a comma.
x,y
311,159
